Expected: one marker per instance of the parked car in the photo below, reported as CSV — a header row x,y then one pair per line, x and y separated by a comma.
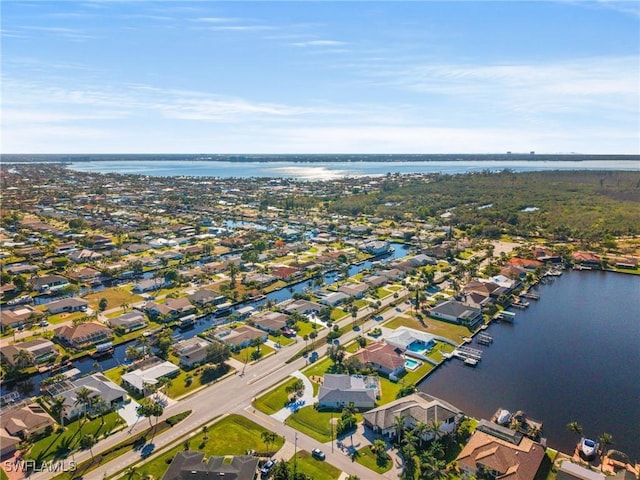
x,y
267,466
317,454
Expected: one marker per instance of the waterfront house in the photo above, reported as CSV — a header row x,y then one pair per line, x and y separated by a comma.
x,y
190,464
48,283
272,322
587,259
411,341
413,409
172,307
286,273
374,281
206,297
385,359
355,290
39,351
149,285
99,386
67,305
501,453
191,352
83,335
337,391
457,312
302,306
84,275
525,263
143,380
333,299
129,322
241,336
84,255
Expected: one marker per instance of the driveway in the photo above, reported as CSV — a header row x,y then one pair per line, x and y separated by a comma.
x,y
306,399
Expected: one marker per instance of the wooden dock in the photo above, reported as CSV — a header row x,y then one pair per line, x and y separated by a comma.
x,y
531,295
506,316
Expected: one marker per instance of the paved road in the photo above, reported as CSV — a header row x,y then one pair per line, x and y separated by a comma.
x,y
234,395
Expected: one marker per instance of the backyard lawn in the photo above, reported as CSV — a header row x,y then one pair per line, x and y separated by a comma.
x,y
116,297
312,422
232,435
316,469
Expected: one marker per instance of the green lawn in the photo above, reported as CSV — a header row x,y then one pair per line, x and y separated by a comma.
x,y
305,328
282,340
312,422
370,460
244,355
65,317
318,368
232,435
338,314
436,352
316,469
361,304
275,400
115,296
58,445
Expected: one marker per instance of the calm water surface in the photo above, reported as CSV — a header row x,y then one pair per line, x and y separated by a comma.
x,y
574,355
333,170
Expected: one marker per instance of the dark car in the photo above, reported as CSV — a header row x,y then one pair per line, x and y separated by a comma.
x,y
317,454
267,466
147,450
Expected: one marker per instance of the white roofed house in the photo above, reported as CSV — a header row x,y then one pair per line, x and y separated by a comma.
x,y
99,386
144,380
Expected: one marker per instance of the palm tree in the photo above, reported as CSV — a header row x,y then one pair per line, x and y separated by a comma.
x,y
268,438
605,439
99,405
57,409
22,358
88,441
398,423
83,398
575,427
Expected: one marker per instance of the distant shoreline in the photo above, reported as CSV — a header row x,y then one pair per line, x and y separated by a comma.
x,y
313,158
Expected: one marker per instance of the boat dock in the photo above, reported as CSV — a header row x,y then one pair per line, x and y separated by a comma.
x,y
506,316
484,339
531,295
464,353
520,305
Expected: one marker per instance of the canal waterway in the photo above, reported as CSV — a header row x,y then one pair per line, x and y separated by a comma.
x,y
88,364
573,355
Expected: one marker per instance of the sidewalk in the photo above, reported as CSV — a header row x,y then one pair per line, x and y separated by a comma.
x,y
306,399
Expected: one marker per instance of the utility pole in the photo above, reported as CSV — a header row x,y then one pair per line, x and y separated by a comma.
x,y
295,455
331,432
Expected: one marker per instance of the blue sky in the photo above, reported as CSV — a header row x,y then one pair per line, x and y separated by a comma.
x,y
320,77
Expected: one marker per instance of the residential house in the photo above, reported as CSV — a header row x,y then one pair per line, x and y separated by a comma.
x,y
84,275
83,335
40,351
67,305
241,336
49,283
355,290
18,316
99,386
25,422
500,453
272,322
457,312
191,352
190,464
129,322
84,255
338,391
22,269
172,307
142,380
206,297
260,280
149,285
374,281
624,471
286,273
392,274
301,306
525,263
413,409
334,298
587,259
385,359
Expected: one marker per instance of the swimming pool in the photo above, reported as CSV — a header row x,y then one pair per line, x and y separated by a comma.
x,y
421,347
411,364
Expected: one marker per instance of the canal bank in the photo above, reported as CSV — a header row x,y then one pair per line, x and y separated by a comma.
x,y
571,356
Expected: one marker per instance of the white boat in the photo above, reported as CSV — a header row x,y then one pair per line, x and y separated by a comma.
x,y
504,417
588,447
